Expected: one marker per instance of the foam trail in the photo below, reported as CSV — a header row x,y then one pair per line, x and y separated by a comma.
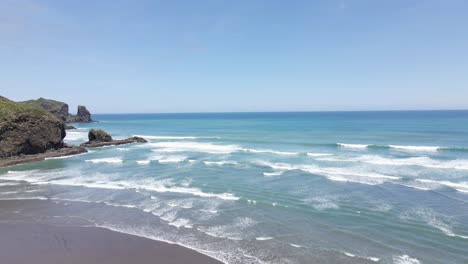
x,y
106,160
180,146
334,174
458,164
220,163
263,238
288,153
459,186
76,135
415,148
353,146
166,137
310,154
405,259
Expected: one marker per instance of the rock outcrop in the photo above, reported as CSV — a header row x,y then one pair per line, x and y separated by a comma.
x,y
30,133
56,108
99,135
53,153
82,116
25,129
68,127
100,138
60,110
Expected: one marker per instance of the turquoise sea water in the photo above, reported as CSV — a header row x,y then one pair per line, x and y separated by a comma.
x,y
329,187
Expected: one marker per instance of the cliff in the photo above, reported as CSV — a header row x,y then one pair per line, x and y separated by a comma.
x,y
60,110
25,129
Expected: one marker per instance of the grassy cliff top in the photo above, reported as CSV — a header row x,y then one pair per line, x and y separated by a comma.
x,y
9,108
44,103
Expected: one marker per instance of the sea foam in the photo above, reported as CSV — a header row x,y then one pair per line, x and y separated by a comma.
x,y
106,160
182,146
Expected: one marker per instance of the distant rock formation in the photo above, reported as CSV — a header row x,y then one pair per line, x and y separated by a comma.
x,y
28,131
69,127
82,116
100,138
56,108
60,110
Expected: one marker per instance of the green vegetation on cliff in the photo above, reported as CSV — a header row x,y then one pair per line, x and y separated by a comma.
x,y
9,109
56,108
25,129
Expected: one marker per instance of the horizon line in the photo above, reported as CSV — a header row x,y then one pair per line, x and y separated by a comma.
x,y
266,112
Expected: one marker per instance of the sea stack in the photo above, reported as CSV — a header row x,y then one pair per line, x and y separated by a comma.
x,y
100,138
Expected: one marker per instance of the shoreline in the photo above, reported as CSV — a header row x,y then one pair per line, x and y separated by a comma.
x,y
54,153
53,243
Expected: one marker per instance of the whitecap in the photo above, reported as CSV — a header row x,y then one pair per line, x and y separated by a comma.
x,y
405,259
287,153
181,222
165,137
275,173
182,146
76,135
66,157
295,245
263,238
353,146
347,174
459,186
415,148
106,160
310,154
143,162
220,163
459,164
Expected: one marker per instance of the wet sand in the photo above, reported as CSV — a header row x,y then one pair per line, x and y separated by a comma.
x,y
38,243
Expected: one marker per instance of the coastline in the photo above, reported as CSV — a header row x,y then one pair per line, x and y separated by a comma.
x,y
54,241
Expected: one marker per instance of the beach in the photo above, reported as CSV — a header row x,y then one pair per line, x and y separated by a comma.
x,y
27,238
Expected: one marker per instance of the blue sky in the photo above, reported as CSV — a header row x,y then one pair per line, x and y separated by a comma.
x,y
246,55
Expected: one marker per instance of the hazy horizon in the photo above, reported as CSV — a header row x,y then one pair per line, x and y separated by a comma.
x,y
245,56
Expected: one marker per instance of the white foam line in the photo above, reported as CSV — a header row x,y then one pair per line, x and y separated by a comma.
x,y
353,146
220,163
171,137
459,186
187,146
287,153
310,154
415,148
66,157
263,238
405,259
106,160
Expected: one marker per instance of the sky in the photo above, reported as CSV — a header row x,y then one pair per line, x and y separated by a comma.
x,y
152,56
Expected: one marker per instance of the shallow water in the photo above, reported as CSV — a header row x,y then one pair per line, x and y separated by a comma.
x,y
336,187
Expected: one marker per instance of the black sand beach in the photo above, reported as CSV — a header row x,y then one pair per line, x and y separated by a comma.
x,y
25,240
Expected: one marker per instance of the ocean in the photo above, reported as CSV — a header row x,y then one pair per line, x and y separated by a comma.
x,y
305,187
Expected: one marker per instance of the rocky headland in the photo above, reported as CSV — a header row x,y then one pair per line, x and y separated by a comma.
x,y
29,132
60,110
100,138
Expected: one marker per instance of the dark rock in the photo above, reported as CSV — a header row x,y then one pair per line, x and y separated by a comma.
x,y
56,108
68,127
82,116
25,129
99,135
65,151
96,143
60,110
